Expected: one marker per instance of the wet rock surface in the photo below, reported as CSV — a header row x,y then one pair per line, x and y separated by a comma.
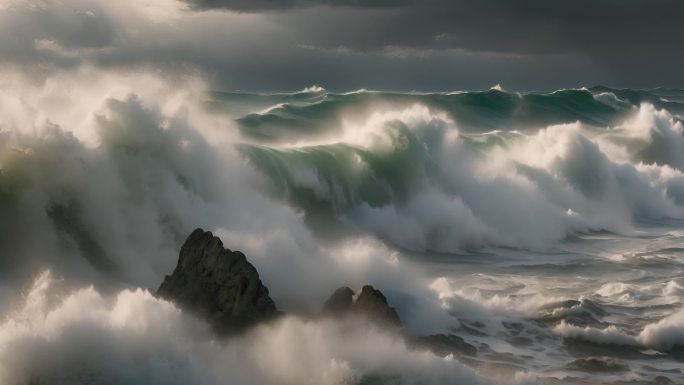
x,y
218,285
370,303
223,288
339,302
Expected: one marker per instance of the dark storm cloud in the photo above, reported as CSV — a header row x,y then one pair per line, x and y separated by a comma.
x,y
280,5
633,43
426,45
597,27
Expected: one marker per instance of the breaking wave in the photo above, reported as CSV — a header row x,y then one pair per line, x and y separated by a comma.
x,y
306,115
414,178
82,337
665,334
516,221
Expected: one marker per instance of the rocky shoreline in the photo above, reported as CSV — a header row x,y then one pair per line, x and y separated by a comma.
x,y
223,288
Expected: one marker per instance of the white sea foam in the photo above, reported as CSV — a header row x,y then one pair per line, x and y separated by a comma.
x,y
313,89
665,334
536,190
610,335
610,99
135,337
107,163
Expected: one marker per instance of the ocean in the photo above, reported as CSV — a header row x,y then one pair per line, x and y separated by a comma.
x,y
545,229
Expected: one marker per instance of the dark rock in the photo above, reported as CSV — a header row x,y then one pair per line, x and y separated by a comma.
x,y
373,304
340,301
370,303
218,285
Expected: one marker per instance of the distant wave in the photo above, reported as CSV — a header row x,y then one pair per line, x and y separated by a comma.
x,y
473,111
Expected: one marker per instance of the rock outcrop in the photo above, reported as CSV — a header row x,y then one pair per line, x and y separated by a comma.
x,y
370,303
218,285
339,302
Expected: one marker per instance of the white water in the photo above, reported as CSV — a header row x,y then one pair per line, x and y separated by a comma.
x,y
135,162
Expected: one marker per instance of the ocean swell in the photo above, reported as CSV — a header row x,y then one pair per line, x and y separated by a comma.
x,y
414,178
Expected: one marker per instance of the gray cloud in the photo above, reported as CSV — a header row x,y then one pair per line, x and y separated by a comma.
x,y
343,45
281,5
631,37
599,28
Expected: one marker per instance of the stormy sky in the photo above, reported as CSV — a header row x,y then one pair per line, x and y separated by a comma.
x,y
426,45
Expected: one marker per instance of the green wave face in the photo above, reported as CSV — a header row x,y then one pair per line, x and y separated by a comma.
x,y
276,117
347,175
574,160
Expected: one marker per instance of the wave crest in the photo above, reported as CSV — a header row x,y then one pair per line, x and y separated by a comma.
x,y
414,178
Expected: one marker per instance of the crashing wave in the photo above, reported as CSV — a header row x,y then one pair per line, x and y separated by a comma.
x,y
83,336
665,334
313,89
414,178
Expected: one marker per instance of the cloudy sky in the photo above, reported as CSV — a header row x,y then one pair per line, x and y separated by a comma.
x,y
426,45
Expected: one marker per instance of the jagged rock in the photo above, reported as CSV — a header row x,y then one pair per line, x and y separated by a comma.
x,y
340,301
373,304
370,303
217,284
